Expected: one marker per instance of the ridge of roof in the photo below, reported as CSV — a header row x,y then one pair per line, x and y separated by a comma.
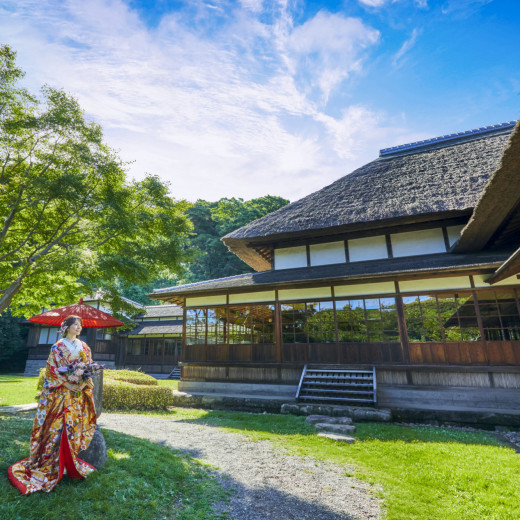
x,y
447,140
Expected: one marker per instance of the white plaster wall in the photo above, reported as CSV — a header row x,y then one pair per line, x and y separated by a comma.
x,y
206,300
303,294
329,253
290,257
480,281
260,296
453,233
439,284
364,289
424,242
370,248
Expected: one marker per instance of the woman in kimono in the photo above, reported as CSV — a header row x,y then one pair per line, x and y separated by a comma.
x,y
65,419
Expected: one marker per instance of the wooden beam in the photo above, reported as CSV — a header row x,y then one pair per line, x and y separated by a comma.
x,y
509,268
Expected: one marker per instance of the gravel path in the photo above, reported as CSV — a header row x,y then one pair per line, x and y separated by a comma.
x,y
267,483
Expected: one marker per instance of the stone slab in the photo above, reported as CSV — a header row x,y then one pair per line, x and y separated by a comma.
x,y
337,437
246,403
313,419
357,413
335,428
287,392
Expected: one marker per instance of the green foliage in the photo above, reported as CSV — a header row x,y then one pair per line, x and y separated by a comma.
x,y
213,220
129,390
133,390
11,340
71,221
41,379
129,376
140,480
118,395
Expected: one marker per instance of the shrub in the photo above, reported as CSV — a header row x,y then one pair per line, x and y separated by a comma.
x,y
129,390
41,379
119,395
130,376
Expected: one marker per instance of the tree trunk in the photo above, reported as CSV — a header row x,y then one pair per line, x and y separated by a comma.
x,y
9,294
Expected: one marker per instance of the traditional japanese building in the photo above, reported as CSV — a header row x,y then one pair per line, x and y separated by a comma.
x,y
397,283
153,346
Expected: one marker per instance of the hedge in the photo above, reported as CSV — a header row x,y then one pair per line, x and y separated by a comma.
x,y
119,395
129,376
130,390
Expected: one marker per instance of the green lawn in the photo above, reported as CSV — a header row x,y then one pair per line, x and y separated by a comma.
x,y
17,390
425,473
174,385
141,480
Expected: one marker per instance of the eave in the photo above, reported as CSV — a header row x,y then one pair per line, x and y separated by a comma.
x,y
500,198
380,270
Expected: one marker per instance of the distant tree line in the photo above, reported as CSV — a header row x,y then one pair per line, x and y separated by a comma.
x,y
208,257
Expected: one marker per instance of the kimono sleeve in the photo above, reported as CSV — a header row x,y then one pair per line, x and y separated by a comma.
x,y
53,378
88,359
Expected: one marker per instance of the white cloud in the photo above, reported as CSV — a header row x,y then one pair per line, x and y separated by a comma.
x,y
373,3
405,47
327,49
229,109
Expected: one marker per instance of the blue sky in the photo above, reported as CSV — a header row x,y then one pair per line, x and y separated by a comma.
x,y
279,97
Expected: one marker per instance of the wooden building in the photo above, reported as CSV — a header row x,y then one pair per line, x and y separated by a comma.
x,y
153,346
407,268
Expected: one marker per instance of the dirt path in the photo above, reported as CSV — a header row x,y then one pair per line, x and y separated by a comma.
x,y
267,483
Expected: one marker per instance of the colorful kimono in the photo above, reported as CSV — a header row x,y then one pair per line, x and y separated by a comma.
x,y
64,425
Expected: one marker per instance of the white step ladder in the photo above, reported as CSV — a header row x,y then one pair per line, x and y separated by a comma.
x,y
337,384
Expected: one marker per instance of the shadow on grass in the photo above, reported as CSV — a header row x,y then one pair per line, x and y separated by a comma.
x,y
140,480
296,425
143,480
13,379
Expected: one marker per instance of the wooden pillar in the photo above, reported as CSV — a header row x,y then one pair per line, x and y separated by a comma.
x,y
278,328
401,321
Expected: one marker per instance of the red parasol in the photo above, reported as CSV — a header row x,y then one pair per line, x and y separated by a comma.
x,y
90,316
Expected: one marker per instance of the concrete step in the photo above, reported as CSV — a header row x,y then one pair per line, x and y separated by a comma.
x,y
313,419
357,413
343,429
337,437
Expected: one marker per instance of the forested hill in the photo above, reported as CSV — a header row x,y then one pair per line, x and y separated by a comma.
x,y
210,257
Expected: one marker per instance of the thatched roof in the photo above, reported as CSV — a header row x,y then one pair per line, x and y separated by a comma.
x,y
437,179
498,201
356,271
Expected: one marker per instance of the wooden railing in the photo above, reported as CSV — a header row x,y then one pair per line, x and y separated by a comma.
x,y
492,353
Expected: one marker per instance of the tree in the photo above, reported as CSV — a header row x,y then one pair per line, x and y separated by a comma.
x,y
70,221
11,341
211,221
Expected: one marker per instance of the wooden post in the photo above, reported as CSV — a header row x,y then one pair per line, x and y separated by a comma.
x,y
278,328
401,321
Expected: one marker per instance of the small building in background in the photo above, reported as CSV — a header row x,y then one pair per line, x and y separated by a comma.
x,y
153,346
